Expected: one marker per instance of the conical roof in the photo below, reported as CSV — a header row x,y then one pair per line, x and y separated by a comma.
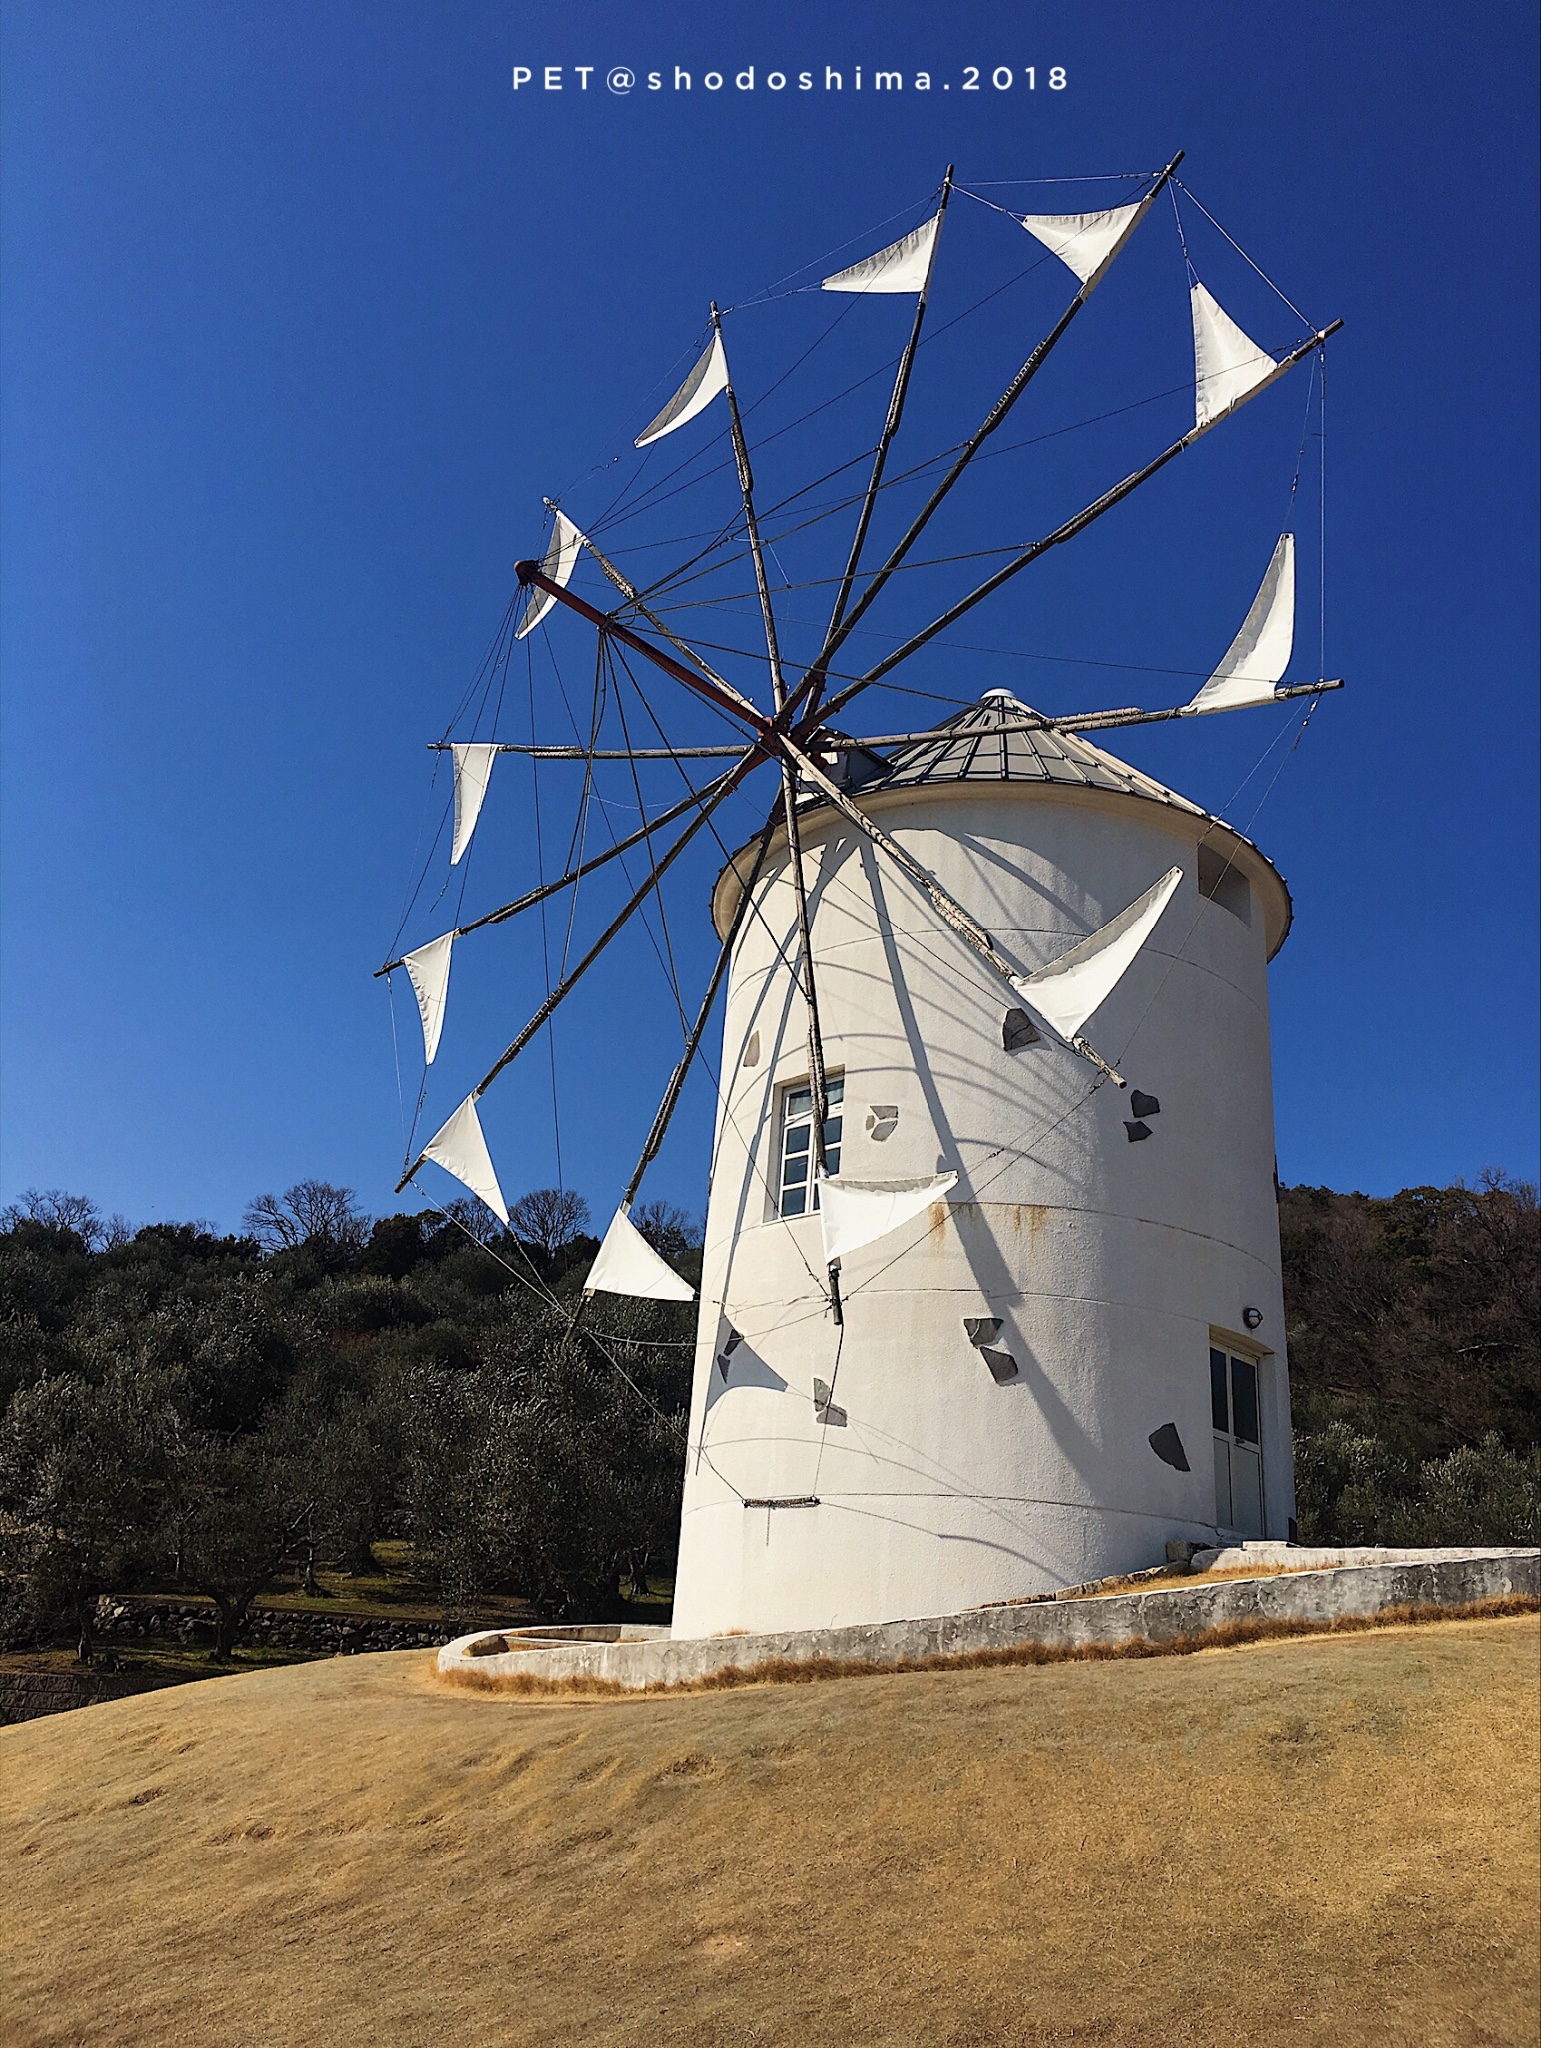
x,y
1001,739
995,740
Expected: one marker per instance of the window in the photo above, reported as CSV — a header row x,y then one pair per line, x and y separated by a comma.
x,y
796,1194
1238,1442
1225,884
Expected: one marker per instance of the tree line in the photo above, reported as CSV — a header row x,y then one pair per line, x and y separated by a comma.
x,y
200,1412
185,1410
1414,1331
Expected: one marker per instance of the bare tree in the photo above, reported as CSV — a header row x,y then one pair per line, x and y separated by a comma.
x,y
549,1218
474,1218
670,1230
57,1210
311,1212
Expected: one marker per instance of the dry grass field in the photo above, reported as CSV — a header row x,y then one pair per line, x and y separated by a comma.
x,y
1322,1841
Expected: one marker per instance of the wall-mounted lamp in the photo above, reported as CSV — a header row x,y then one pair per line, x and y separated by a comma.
x,y
1252,1317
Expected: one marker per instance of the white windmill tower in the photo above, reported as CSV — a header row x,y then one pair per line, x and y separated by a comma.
x,y
965,1333
1019,1394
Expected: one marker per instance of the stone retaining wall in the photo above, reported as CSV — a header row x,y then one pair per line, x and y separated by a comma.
x,y
29,1695
328,1635
1160,1616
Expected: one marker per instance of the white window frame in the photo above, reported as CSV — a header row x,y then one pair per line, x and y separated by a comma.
x,y
794,1118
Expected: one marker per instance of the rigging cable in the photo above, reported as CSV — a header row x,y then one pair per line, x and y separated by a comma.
x,y
543,1293
648,502
1241,252
671,969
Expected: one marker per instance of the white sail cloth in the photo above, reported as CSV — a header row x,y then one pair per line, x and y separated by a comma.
x,y
709,376
853,1213
429,971
459,1147
1085,242
1228,365
628,1264
903,266
561,559
473,766
1259,655
1067,991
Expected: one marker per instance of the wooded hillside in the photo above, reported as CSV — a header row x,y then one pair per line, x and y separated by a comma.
x,y
204,1413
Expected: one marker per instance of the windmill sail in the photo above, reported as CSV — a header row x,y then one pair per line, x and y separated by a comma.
x,y
429,971
628,1264
1085,242
561,559
1259,655
1228,366
1069,989
854,1213
903,266
473,766
459,1147
709,376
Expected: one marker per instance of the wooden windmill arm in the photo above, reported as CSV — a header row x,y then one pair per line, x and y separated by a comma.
x,y
566,985
946,906
712,790
1071,527
813,682
885,439
710,686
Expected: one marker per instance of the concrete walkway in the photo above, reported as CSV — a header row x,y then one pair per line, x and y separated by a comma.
x,y
1349,1583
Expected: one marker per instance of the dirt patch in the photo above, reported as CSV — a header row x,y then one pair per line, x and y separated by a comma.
x,y
1325,1842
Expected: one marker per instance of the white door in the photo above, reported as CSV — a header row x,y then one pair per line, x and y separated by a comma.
x,y
1233,1396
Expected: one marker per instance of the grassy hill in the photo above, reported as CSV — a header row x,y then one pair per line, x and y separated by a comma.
x,y
1321,1841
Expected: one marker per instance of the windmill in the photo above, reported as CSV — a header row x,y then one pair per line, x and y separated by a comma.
x,y
964,1333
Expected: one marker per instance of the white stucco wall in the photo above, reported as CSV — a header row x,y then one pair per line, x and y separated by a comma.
x,y
1108,1263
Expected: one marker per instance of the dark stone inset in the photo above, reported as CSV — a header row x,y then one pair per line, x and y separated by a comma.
x,y
1018,1031
882,1121
1137,1131
1168,1447
1143,1104
824,1409
981,1330
730,1345
1001,1364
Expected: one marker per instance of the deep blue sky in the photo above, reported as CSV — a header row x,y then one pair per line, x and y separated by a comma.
x,y
305,310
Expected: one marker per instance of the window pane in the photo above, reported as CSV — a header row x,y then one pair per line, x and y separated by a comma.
x,y
1222,1482
796,1170
1218,1400
832,1159
832,1130
798,1139
794,1201
1244,1401
1246,1491
836,1089
799,1102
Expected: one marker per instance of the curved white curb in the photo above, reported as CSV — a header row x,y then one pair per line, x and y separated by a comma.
x,y
1353,1584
